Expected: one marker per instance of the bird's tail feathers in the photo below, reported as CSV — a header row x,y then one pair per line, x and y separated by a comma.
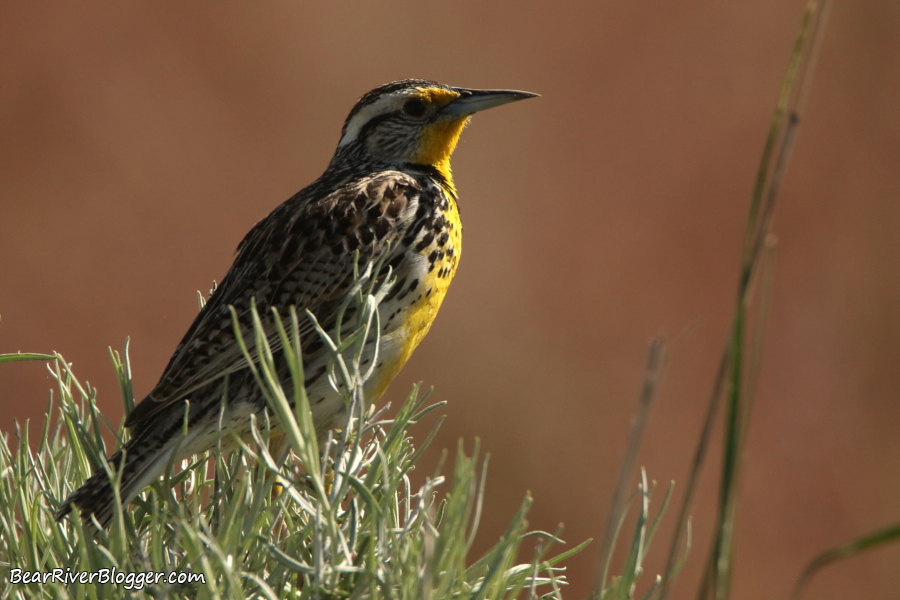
x,y
97,497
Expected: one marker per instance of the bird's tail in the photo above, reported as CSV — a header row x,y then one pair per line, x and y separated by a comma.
x,y
141,466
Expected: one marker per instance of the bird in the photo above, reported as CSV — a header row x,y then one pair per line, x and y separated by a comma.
x,y
387,197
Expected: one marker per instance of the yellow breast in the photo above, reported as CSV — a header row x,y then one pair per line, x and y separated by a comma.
x,y
417,317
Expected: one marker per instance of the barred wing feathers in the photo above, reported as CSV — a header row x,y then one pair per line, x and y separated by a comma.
x,y
302,255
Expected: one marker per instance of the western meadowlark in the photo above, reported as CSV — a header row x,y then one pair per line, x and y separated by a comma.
x,y
387,193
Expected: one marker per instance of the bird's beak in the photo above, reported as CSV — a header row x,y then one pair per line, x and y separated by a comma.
x,y
473,101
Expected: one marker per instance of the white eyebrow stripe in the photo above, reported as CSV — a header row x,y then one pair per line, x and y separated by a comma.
x,y
381,106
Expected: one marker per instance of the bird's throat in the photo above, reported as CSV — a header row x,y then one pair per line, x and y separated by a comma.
x,y
438,142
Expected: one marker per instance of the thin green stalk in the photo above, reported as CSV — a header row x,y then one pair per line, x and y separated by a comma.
x,y
729,378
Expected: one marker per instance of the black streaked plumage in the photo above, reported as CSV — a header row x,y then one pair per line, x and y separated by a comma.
x,y
388,188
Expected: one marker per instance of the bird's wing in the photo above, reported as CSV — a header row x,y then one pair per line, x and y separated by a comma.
x,y
301,255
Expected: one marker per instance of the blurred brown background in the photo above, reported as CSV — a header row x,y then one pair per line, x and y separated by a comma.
x,y
140,141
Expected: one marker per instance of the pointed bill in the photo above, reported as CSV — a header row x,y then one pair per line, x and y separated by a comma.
x,y
473,101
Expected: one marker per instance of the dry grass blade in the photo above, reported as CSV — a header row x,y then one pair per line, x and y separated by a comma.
x,y
866,542
773,167
652,376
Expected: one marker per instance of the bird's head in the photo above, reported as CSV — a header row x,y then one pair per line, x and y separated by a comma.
x,y
416,121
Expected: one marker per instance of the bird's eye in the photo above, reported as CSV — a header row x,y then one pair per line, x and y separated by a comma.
x,y
414,108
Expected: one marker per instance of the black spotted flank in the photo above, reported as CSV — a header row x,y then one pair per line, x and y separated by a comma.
x,y
425,241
